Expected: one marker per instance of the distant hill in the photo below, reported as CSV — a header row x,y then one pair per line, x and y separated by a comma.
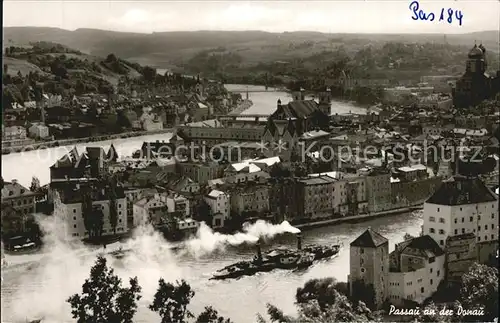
x,y
166,49
50,67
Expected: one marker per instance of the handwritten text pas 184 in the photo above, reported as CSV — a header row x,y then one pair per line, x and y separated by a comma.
x,y
449,15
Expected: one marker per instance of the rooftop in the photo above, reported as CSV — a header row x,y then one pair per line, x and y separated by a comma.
x,y
425,245
14,189
215,193
320,180
460,190
369,239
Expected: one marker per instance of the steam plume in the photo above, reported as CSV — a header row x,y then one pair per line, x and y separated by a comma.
x,y
207,241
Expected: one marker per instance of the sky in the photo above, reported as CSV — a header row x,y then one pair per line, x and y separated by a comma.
x,y
335,16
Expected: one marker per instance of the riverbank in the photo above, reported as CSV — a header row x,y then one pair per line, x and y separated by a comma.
x,y
243,106
357,218
67,142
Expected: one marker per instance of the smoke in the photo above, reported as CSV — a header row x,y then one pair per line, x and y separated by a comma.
x,y
40,289
207,241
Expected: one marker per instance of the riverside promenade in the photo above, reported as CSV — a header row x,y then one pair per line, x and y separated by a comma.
x,y
358,217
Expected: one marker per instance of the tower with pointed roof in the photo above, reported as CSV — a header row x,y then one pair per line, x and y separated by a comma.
x,y
369,268
271,134
289,134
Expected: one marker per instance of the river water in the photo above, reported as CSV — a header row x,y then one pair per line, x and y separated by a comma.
x,y
41,292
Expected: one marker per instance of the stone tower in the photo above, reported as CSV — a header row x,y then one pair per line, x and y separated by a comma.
x,y
369,268
325,101
298,94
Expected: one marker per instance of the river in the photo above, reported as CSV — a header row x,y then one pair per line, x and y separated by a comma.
x,y
41,292
22,166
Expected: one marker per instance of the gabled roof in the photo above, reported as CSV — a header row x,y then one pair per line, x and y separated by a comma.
x,y
369,239
425,245
112,153
290,127
271,127
303,109
95,152
14,189
460,190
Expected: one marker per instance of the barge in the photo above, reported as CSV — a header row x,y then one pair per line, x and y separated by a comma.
x,y
278,259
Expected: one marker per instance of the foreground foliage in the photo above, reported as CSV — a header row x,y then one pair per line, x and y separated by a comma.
x,y
322,300
104,300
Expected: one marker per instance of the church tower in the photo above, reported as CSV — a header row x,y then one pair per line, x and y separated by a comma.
x,y
369,268
476,62
298,94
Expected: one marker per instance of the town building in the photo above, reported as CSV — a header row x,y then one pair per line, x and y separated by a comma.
x,y
151,122
13,133
315,197
416,268
220,207
133,194
463,205
160,148
369,268
283,198
306,115
93,162
355,192
378,190
201,172
432,130
19,197
413,172
72,204
250,198
150,209
413,193
212,132
38,131
339,195
163,210
278,139
234,151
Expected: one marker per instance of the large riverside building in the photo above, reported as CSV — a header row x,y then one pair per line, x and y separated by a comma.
x,y
461,206
460,227
73,206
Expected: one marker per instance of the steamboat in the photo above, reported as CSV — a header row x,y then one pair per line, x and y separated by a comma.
x,y
278,259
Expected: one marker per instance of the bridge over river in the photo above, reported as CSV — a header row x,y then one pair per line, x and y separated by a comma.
x,y
240,116
257,90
